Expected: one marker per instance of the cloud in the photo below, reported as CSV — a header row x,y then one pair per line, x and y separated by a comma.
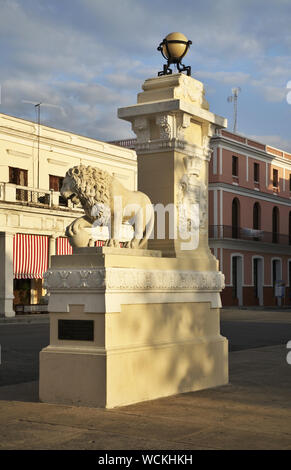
x,y
229,78
91,57
272,94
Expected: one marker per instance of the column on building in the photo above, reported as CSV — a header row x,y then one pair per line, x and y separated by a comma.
x,y
6,274
52,247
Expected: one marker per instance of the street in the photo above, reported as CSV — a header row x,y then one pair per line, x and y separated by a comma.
x,y
20,346
251,412
21,343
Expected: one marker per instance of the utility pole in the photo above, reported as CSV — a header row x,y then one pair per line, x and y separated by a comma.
x,y
233,99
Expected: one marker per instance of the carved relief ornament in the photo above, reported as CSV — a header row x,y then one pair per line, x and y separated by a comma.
x,y
140,127
133,279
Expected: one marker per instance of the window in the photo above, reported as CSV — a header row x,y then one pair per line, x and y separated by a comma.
x,y
56,182
256,172
275,178
234,166
18,176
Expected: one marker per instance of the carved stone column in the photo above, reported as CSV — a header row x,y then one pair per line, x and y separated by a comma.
x,y
173,126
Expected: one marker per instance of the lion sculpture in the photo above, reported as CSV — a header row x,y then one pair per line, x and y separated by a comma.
x,y
106,202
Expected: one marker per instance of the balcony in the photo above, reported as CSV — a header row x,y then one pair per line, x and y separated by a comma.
x,y
220,232
24,195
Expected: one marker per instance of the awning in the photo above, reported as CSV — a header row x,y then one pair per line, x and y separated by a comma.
x,y
30,256
99,242
63,246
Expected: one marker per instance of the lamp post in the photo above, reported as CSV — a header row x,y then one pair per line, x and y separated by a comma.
x,y
173,48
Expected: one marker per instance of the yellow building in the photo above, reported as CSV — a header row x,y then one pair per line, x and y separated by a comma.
x,y
33,215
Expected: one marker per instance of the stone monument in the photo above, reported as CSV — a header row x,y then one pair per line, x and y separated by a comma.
x,y
133,324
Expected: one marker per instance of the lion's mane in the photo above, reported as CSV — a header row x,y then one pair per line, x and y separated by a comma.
x,y
91,185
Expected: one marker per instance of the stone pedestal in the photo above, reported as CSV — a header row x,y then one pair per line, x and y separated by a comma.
x,y
151,329
173,126
132,325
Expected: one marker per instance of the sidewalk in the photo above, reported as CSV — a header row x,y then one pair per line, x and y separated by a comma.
x,y
252,412
274,315
229,313
31,318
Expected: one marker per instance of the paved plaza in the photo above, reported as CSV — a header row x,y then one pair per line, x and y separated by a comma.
x,y
252,412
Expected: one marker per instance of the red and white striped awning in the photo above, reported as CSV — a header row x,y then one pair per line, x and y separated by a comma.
x,y
102,243
99,242
30,256
63,246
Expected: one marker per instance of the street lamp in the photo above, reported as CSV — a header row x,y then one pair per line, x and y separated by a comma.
x,y
173,48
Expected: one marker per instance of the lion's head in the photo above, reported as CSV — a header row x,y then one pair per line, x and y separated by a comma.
x,y
87,185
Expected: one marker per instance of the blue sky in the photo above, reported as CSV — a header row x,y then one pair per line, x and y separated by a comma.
x,y
89,57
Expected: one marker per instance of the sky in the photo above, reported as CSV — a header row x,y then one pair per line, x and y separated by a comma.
x,y
87,58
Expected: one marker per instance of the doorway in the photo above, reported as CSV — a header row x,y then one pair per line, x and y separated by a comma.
x,y
237,279
258,279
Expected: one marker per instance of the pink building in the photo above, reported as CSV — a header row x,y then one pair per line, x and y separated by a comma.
x,y
250,218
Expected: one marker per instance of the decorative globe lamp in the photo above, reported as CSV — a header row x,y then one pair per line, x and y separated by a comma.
x,y
173,48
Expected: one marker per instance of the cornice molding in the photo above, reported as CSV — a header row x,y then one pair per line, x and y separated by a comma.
x,y
249,245
69,146
250,193
248,150
120,279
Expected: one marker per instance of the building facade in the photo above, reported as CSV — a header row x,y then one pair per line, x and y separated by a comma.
x,y
250,219
33,215
249,210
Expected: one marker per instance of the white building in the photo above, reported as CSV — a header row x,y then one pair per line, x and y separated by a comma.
x,y
33,216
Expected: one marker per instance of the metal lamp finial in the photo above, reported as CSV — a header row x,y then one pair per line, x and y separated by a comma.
x,y
173,48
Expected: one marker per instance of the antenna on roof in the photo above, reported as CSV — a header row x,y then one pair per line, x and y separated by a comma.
x,y
233,99
37,106
36,103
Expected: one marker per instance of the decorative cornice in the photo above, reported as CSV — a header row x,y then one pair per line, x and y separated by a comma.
x,y
132,280
247,150
15,153
250,193
164,145
72,147
249,245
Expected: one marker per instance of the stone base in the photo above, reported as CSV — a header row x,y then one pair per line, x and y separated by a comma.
x,y
125,329
123,377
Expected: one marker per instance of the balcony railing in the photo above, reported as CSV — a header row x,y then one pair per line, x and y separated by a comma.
x,y
244,233
34,197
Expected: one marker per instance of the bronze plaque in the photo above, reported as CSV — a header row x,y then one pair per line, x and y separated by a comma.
x,y
76,330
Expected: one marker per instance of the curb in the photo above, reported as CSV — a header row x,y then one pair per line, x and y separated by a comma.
x,y
26,319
